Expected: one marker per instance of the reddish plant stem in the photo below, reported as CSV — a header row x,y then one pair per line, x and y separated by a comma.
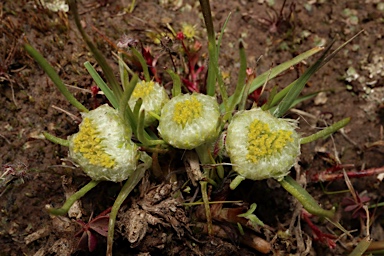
x,y
327,176
318,235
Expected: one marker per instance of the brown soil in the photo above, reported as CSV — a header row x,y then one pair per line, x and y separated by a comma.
x,y
31,104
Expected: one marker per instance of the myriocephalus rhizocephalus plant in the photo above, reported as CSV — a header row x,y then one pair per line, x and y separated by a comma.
x,y
260,144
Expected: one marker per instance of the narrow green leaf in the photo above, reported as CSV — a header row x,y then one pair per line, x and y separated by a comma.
x,y
361,247
222,33
326,131
220,80
54,77
211,79
176,89
260,80
297,101
56,140
129,185
136,109
123,107
240,83
304,197
102,85
73,198
298,86
124,78
141,134
143,64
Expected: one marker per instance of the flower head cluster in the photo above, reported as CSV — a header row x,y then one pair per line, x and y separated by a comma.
x,y
190,120
189,31
103,146
154,97
261,146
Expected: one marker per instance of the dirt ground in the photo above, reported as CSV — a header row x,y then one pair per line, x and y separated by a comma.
x,y
351,85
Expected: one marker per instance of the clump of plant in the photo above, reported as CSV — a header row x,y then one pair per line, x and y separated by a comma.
x,y
117,143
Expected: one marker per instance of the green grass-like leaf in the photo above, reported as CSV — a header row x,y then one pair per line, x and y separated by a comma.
x,y
326,131
125,111
237,95
102,85
297,86
56,140
54,77
143,64
176,89
304,197
270,74
213,57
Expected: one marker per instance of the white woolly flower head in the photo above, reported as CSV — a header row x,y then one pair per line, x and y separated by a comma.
x,y
262,146
189,120
154,97
103,146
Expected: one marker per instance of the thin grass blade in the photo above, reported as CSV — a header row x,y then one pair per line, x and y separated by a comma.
x,y
213,58
270,74
176,89
326,131
239,91
102,85
298,85
54,77
143,63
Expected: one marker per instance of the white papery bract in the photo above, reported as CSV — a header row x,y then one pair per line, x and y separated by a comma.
x,y
189,120
103,146
262,146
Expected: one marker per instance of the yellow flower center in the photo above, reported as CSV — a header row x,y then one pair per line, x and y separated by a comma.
x,y
264,143
189,31
186,111
89,145
143,89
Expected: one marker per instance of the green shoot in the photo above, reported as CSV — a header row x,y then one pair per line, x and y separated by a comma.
x,y
143,64
252,217
304,197
129,185
297,86
124,107
102,85
56,140
270,74
326,131
213,58
54,77
73,198
176,90
240,84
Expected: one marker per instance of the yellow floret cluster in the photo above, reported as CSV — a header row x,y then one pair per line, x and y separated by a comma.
x,y
189,31
143,89
89,145
262,142
186,111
